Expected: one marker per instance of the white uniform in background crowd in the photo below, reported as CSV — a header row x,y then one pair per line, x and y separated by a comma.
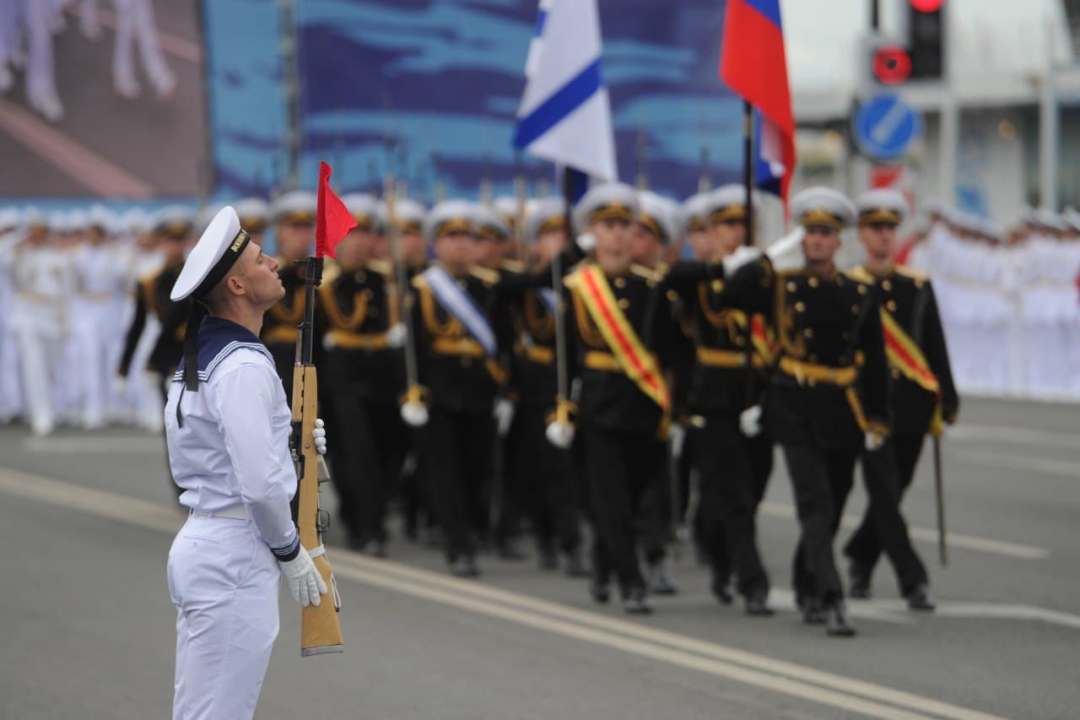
x,y
44,281
10,391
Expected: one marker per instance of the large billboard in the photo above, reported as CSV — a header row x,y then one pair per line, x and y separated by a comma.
x,y
428,90
103,99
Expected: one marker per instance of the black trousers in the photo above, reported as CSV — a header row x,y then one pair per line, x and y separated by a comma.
x,y
821,480
733,472
369,450
620,468
888,473
547,480
458,464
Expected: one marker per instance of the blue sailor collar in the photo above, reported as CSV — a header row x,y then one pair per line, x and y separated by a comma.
x,y
218,338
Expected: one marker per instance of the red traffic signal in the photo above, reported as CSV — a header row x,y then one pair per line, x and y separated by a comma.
x,y
927,6
892,65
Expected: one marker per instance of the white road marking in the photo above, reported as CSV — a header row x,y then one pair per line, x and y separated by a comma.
x,y
981,611
1023,463
94,445
929,535
1017,436
761,671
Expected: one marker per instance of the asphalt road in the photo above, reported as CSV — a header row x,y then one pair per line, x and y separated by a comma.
x,y
87,628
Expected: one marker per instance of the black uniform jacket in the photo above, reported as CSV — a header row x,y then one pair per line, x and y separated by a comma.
x,y
152,297
909,298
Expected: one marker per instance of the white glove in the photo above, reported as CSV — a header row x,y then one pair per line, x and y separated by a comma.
x,y
786,253
305,583
740,257
874,441
750,421
560,434
328,342
397,335
319,433
677,438
504,415
586,242
414,414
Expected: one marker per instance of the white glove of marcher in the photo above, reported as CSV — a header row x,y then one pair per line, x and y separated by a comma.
x,y
319,434
874,441
328,342
305,583
677,438
787,253
560,434
750,421
397,335
743,256
586,241
504,415
414,414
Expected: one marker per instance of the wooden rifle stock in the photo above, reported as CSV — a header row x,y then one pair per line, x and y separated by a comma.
x,y
320,626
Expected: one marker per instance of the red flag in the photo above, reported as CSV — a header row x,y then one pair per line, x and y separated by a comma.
x,y
333,221
753,64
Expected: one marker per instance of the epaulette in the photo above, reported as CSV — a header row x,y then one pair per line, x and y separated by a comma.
x,y
383,267
861,274
920,278
648,273
488,276
514,266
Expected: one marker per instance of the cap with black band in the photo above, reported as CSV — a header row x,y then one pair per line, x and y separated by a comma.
x,y
221,245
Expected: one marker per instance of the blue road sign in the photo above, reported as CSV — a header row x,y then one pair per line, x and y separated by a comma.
x,y
885,126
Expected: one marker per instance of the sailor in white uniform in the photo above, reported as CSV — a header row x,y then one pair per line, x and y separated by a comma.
x,y
227,428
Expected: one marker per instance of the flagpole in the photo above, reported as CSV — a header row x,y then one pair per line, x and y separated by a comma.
x,y
562,391
748,170
405,298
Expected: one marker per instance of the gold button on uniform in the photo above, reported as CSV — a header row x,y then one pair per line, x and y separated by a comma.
x,y
800,306
808,333
717,285
791,287
891,306
620,282
624,303
862,289
886,285
813,282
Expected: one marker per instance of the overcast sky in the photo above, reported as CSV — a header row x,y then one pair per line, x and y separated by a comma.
x,y
985,35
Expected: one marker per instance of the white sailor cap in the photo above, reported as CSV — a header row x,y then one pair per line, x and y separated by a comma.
x,y
32,217
135,220
449,216
1071,218
408,215
613,200
728,203
295,206
694,213
365,210
489,223
545,215
217,251
507,208
659,215
882,205
175,221
1046,218
10,217
822,206
77,220
102,217
254,214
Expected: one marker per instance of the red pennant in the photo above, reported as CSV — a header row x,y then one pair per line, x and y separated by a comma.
x,y
333,221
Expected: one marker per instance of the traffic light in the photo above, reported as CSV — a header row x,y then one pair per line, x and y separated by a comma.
x,y
926,39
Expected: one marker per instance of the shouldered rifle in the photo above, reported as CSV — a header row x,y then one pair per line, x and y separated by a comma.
x,y
320,626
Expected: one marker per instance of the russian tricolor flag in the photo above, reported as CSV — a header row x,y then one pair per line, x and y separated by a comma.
x,y
754,65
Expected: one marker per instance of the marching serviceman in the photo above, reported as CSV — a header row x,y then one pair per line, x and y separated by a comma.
x,y
227,426
255,217
619,331
294,226
173,229
828,398
923,395
733,459
363,335
547,474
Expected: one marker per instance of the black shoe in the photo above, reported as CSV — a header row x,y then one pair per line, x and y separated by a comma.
x,y
575,565
920,600
722,591
859,581
600,592
636,603
660,582
812,613
509,550
377,549
757,606
464,567
836,624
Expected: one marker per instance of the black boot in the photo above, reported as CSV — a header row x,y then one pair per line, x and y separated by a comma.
x,y
859,582
600,591
812,612
757,605
722,590
635,602
575,565
836,624
920,600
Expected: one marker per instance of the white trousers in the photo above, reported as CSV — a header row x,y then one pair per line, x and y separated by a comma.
x,y
223,581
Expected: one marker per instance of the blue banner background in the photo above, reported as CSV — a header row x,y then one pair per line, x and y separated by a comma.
x,y
429,89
